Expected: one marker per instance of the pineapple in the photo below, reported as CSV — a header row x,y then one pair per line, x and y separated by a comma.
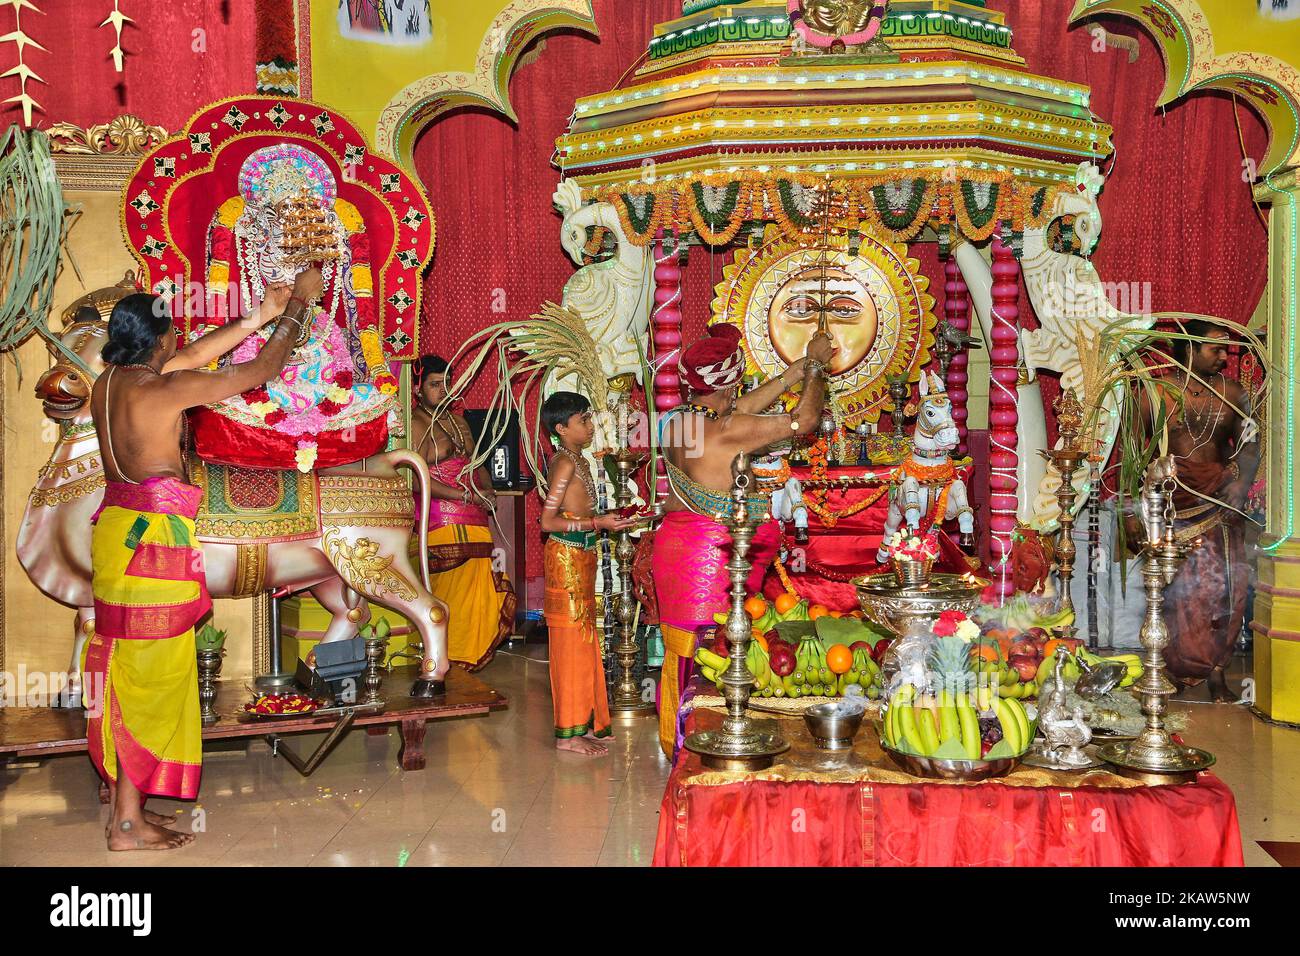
x,y
950,668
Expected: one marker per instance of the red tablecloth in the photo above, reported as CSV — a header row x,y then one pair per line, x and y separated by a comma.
x,y
776,823
834,555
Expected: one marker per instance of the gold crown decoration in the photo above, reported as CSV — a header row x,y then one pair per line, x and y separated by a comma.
x,y
308,235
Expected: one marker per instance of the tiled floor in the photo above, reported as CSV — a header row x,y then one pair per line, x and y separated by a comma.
x,y
494,792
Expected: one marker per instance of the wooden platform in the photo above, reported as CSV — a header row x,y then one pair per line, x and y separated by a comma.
x,y
45,732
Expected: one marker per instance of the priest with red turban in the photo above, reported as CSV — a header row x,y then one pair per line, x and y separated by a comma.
x,y
700,440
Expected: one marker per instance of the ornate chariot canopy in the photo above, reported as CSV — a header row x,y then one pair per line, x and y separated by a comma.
x,y
727,124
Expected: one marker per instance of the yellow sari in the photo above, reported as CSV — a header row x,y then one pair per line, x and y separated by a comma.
x,y
480,600
141,687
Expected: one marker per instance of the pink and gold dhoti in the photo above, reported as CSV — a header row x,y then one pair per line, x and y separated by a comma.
x,y
691,584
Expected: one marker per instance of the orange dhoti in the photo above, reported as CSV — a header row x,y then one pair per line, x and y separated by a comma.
x,y
577,667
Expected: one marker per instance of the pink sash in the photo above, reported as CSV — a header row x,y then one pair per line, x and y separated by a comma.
x,y
164,496
443,513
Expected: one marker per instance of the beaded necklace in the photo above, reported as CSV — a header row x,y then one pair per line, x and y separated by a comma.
x,y
583,469
1201,425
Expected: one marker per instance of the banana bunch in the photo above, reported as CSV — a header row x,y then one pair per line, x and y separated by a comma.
x,y
712,665
1132,664
921,725
1019,614
865,674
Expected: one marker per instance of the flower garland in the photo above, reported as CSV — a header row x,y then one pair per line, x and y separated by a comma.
x,y
926,474
975,204
818,569
774,476
717,228
906,224
782,573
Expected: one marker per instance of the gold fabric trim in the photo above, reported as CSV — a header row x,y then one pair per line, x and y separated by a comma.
x,y
246,526
1199,528
867,762
363,500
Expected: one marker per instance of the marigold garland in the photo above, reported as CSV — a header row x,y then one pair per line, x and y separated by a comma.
x,y
938,199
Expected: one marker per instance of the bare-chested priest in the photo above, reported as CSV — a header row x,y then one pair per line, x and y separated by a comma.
x,y
144,730
700,440
1213,439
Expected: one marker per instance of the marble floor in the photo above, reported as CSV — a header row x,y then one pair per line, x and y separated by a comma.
x,y
495,792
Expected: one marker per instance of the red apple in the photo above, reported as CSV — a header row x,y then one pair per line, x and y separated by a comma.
x,y
878,652
782,663
1024,665
720,645
860,646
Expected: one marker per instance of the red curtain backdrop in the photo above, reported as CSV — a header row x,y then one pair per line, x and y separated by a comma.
x,y
165,79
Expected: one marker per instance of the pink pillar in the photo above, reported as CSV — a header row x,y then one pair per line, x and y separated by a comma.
x,y
666,321
1004,358
956,311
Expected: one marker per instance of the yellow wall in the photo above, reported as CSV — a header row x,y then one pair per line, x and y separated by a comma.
x,y
468,60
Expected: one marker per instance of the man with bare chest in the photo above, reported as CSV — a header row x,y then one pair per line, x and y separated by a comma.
x,y
479,598
1213,439
701,439
150,587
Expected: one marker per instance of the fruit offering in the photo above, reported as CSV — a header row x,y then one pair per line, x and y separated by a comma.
x,y
1132,665
950,726
280,705
802,667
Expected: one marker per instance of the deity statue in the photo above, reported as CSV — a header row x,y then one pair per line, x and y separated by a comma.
x,y
288,214
835,25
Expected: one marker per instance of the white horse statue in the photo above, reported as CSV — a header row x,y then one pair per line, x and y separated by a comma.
x,y
925,487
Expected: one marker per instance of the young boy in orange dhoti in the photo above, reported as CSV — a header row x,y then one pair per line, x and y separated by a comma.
x,y
569,519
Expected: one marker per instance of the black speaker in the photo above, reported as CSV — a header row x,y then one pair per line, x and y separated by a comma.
x,y
504,464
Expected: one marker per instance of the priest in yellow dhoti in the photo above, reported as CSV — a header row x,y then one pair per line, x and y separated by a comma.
x,y
463,570
140,676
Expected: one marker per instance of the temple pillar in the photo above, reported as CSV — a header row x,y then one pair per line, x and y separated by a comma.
x,y
956,312
1004,357
1276,621
666,321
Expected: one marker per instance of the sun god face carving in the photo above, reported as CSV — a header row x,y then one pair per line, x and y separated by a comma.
x,y
840,297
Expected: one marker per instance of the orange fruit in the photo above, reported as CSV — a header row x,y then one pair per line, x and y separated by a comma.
x,y
761,639
839,659
786,603
755,606
987,652
1049,649
837,614
816,611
